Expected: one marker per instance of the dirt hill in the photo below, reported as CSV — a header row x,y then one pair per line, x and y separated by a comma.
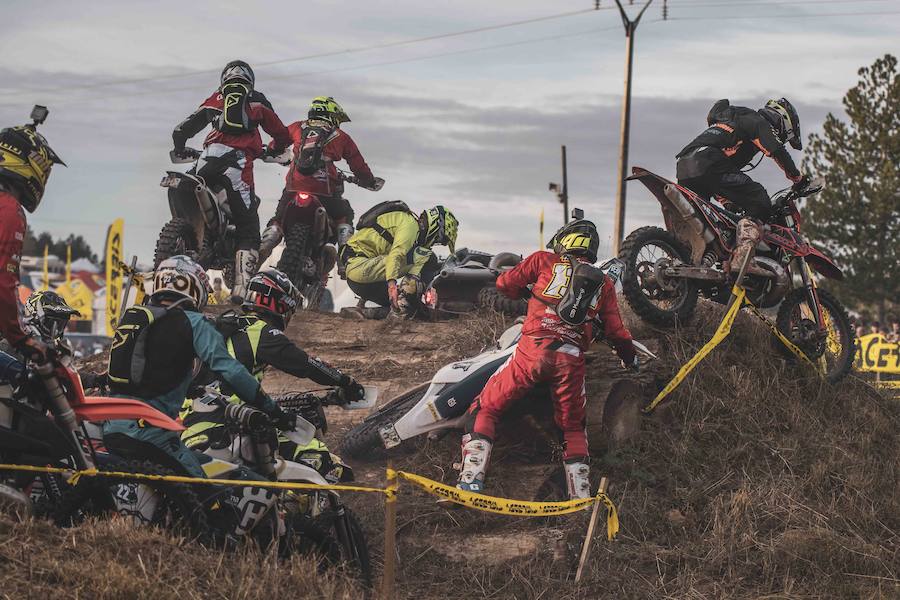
x,y
754,480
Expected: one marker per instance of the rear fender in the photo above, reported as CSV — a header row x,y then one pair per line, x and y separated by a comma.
x,y
100,408
302,208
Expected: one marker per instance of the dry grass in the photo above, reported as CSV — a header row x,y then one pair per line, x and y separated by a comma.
x,y
755,480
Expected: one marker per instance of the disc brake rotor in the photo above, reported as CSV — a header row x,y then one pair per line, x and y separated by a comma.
x,y
807,336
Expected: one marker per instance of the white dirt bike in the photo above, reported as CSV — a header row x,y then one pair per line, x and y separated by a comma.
x,y
440,405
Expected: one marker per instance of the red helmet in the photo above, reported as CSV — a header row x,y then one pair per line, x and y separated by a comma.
x,y
273,293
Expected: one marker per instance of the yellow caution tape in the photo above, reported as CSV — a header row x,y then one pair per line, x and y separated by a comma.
x,y
75,475
519,508
721,333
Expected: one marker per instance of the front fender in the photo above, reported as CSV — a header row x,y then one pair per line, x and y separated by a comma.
x,y
823,264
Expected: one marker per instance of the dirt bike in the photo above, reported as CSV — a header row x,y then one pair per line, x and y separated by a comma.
x,y
320,518
310,252
667,269
465,281
201,225
441,404
47,420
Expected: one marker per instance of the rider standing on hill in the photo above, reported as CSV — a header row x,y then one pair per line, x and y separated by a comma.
x,y
319,142
711,164
569,298
236,111
25,163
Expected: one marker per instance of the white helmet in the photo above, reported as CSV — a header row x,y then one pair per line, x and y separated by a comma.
x,y
181,276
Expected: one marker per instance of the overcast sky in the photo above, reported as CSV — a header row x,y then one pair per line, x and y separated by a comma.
x,y
472,121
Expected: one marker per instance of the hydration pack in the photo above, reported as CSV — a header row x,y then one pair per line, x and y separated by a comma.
x,y
128,354
370,217
235,117
313,137
581,293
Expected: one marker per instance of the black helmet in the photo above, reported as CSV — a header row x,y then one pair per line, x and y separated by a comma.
x,y
238,70
272,292
49,313
784,120
579,238
25,162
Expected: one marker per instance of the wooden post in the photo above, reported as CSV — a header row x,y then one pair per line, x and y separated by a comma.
x,y
390,537
586,547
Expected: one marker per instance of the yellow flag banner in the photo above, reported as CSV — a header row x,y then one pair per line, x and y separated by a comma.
x,y
877,355
113,275
79,296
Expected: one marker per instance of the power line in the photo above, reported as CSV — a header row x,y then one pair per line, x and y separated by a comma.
x,y
701,3
803,16
309,74
280,61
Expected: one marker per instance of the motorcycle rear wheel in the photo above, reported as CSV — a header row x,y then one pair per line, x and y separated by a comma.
x,y
364,441
295,253
180,508
177,237
650,300
796,321
490,298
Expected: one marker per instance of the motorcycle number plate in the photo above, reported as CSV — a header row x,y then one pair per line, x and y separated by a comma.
x,y
389,436
170,181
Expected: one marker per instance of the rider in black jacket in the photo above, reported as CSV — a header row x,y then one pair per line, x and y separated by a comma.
x,y
711,164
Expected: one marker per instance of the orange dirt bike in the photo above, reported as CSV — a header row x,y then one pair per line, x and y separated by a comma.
x,y
667,269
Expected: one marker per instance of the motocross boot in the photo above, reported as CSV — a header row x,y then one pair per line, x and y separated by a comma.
x,y
578,483
476,452
344,233
748,235
245,263
271,237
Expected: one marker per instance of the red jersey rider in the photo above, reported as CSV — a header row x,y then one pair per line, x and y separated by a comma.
x,y
25,163
319,142
236,111
569,299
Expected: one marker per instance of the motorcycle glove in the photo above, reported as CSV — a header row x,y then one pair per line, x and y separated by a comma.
x,y
283,421
34,349
352,391
801,185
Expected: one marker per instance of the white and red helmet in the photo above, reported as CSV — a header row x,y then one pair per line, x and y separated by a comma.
x,y
272,292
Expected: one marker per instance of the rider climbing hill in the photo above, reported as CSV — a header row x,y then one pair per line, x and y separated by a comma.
x,y
236,111
567,299
711,164
319,142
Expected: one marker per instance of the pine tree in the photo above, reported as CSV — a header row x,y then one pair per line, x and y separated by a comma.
x,y
857,216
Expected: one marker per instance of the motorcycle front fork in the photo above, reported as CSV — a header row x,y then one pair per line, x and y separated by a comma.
x,y
812,293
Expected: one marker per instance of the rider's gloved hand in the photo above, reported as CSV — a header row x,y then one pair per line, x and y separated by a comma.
x,y
801,185
34,349
635,365
352,390
394,293
282,420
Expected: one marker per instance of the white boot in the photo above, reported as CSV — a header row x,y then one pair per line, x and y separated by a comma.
x,y
475,456
344,233
245,263
577,479
271,237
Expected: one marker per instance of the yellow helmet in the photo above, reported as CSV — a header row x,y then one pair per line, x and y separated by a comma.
x,y
327,108
578,237
440,227
25,163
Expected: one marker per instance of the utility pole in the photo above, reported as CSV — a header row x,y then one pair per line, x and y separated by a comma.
x,y
562,191
630,29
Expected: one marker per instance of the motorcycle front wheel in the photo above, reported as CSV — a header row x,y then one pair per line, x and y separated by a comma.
x,y
834,351
659,302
